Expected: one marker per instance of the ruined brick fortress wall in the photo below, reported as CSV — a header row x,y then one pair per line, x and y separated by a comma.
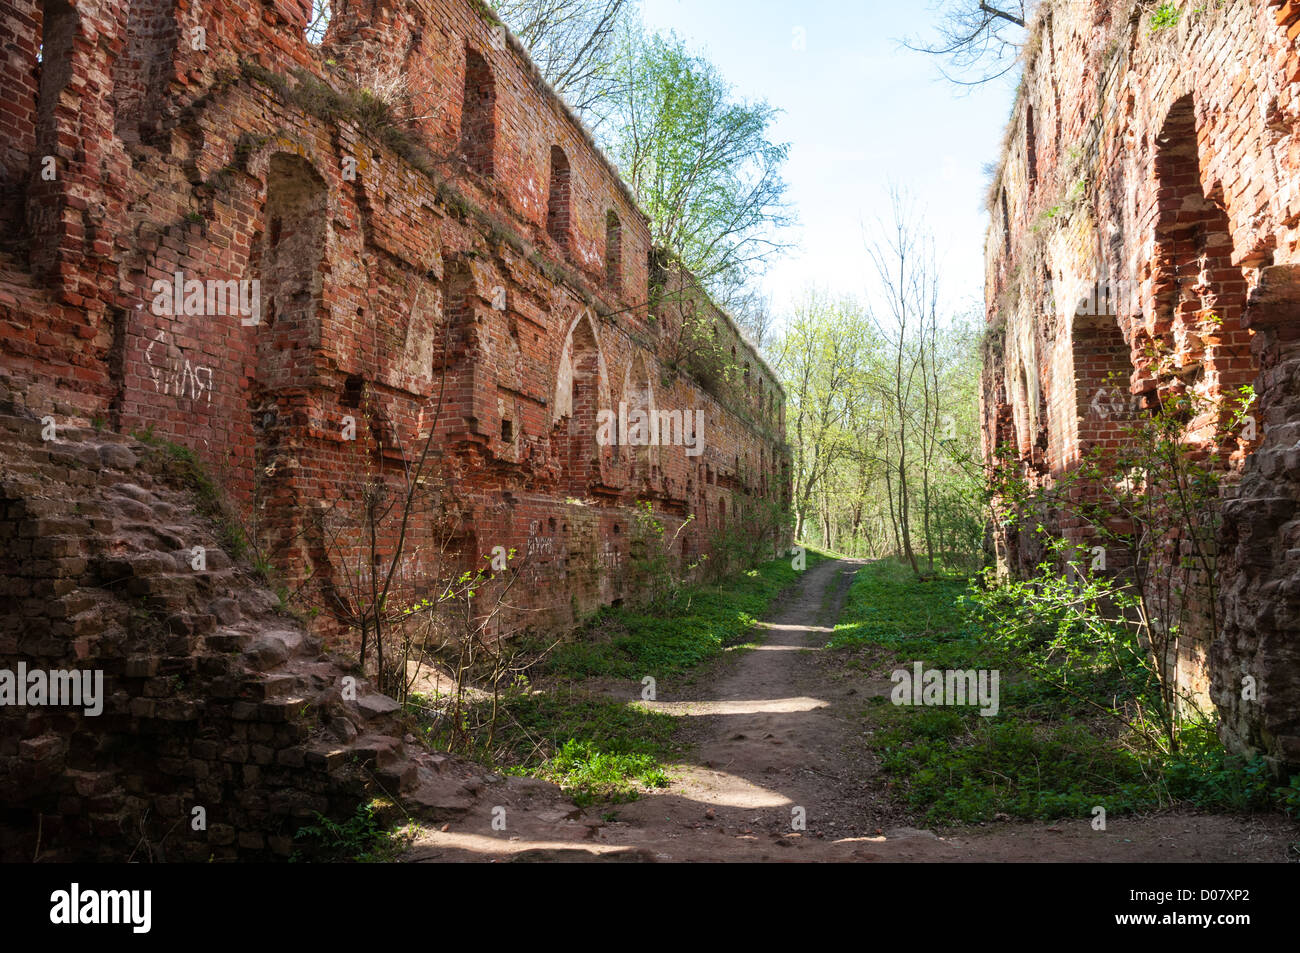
x,y
467,261
1154,174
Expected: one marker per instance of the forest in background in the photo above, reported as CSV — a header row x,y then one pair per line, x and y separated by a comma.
x,y
883,410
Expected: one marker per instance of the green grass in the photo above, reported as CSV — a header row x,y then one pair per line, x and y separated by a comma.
x,y
594,776
600,749
1048,753
888,607
953,766
596,749
701,623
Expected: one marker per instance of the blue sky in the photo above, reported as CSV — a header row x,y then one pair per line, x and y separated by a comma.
x,y
860,113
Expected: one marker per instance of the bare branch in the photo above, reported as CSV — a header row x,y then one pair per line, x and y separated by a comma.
x,y
980,42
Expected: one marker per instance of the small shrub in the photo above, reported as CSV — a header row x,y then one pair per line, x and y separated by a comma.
x,y
361,838
1165,16
593,776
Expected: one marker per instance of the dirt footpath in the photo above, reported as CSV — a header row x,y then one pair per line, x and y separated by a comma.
x,y
780,768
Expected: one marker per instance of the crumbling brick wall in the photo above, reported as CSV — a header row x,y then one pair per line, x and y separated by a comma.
x,y
427,230
154,708
1147,204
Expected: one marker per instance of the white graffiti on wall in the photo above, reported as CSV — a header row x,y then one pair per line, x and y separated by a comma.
x,y
611,556
410,572
538,545
173,373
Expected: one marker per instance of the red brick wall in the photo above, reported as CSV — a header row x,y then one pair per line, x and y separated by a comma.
x,y
20,32
1163,166
400,285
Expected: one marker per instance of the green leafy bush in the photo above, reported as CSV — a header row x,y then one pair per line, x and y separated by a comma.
x,y
1165,16
1075,728
363,837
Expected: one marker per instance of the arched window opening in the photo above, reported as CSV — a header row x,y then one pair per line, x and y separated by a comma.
x,y
641,415
318,21
1097,424
580,396
557,202
613,251
1199,292
45,198
478,115
19,81
142,69
288,260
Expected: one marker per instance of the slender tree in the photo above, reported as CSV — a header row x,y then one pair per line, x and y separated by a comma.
x,y
701,162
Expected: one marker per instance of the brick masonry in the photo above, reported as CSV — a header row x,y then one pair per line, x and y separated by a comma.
x,y
220,727
1155,174
445,266
463,263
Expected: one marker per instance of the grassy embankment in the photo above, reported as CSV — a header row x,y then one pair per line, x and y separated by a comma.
x,y
1062,742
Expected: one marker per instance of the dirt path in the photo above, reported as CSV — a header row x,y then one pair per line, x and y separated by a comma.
x,y
781,768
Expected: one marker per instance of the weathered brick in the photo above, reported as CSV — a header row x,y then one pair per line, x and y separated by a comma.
x,y
1142,163
542,297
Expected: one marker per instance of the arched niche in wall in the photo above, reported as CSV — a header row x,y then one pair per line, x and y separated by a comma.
x,y
613,252
287,258
1100,416
455,315
642,420
478,127
20,78
142,69
1198,295
1024,404
581,392
45,199
558,199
